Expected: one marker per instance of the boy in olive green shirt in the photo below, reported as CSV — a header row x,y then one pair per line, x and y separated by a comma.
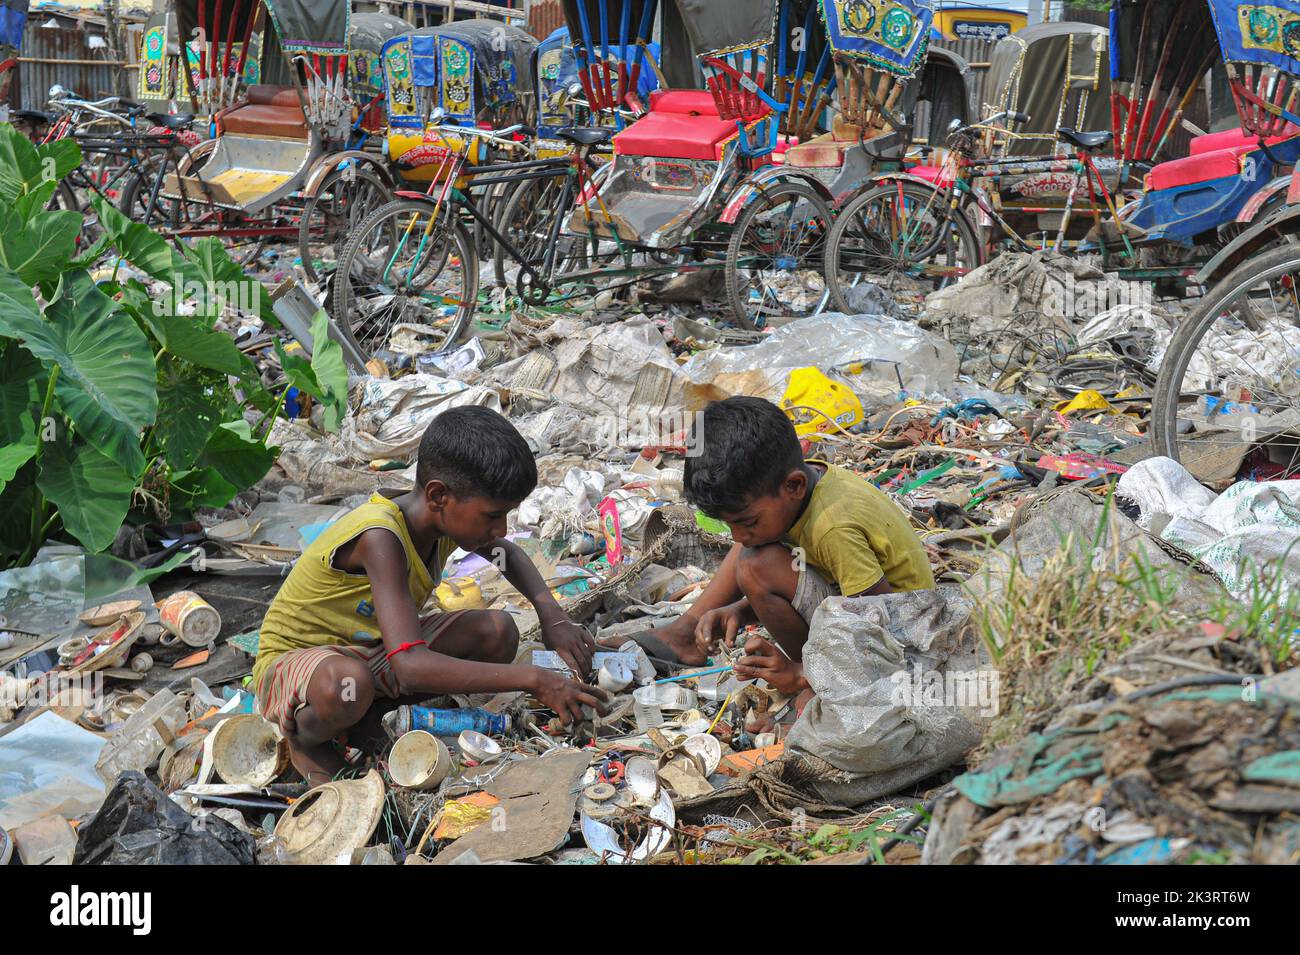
x,y
803,531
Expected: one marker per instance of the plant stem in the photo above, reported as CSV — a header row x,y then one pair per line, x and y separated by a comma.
x,y
38,506
273,413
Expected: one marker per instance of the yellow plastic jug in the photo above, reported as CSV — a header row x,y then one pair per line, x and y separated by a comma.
x,y
817,404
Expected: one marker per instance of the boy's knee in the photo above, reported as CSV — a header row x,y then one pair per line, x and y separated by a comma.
x,y
501,637
763,569
342,690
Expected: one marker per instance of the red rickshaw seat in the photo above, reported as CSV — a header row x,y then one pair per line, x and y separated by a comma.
x,y
267,111
671,135
696,102
1212,142
1218,164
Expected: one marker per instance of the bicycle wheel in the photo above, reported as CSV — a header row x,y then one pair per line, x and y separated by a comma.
x,y
65,199
341,204
775,257
894,234
526,218
404,265
1228,393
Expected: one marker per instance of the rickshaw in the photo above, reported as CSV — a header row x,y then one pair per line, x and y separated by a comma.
x,y
845,135
159,81
694,181
275,141
474,72
658,207
1208,188
930,228
527,208
852,68
1055,75
339,197
367,35
1227,400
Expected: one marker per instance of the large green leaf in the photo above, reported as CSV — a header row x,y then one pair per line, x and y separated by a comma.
x,y
20,166
325,377
19,371
140,245
190,405
58,158
24,168
17,500
237,456
196,343
223,278
201,487
186,337
25,207
91,491
16,298
41,249
106,371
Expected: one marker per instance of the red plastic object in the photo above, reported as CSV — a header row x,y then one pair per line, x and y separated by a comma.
x,y
1078,466
670,135
1219,164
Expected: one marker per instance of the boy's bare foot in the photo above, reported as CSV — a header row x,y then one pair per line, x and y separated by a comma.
x,y
317,763
678,636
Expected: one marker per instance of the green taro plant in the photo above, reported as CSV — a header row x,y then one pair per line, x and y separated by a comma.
x,y
119,400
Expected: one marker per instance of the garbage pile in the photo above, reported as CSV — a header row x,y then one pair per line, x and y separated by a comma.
x,y
1007,422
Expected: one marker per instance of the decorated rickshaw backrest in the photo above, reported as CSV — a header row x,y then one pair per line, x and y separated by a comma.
x,y
464,68
1260,43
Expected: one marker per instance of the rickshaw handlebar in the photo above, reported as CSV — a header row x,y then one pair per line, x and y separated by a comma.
x,y
1014,117
496,135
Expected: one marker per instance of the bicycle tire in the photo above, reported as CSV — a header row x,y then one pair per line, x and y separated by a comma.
x,y
1192,331
536,192
360,177
949,222
767,199
352,264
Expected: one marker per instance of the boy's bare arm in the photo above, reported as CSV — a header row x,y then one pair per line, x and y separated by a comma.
x,y
420,669
570,641
721,591
880,587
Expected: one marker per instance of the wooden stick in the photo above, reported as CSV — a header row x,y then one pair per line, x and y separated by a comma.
x,y
1138,65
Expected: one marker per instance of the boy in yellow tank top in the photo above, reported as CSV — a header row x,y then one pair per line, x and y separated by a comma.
x,y
343,641
803,531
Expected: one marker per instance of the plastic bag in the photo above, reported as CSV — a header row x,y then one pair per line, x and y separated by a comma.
x,y
139,825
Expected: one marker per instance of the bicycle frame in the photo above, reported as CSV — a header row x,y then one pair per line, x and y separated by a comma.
x,y
965,169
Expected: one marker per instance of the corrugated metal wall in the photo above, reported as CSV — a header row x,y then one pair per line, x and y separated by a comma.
x,y
544,17
975,52
65,55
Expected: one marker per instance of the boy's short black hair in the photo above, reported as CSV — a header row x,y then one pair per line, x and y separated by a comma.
x,y
746,447
476,452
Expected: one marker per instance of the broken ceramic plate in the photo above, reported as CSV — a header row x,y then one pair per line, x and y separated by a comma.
x,y
706,748
642,778
603,840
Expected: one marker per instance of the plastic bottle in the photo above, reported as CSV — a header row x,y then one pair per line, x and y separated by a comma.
x,y
451,722
142,737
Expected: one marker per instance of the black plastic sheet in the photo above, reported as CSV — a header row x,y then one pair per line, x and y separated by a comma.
x,y
139,825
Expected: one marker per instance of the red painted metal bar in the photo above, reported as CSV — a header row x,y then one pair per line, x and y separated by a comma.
x,y
243,48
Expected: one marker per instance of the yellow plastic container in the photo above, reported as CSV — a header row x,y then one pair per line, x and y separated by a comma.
x,y
817,404
460,593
